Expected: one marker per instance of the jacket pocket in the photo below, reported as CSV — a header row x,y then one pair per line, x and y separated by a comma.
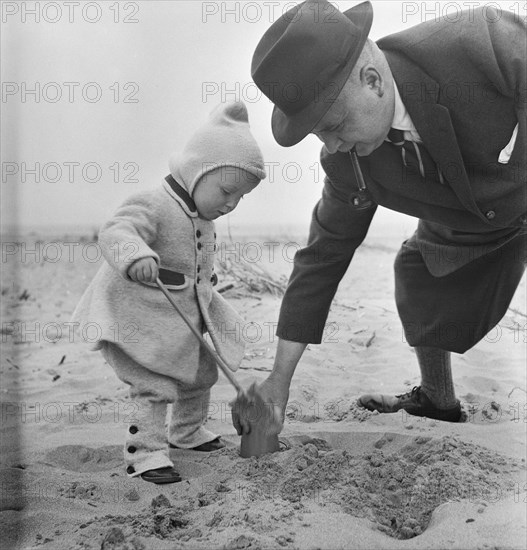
x,y
171,279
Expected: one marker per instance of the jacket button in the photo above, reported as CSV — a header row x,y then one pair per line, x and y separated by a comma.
x,y
490,215
198,269
130,470
214,279
133,429
198,233
199,246
131,449
214,235
198,280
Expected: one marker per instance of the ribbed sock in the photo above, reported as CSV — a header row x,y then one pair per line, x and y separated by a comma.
x,y
436,376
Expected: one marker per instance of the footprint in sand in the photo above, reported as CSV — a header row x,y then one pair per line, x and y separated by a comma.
x,y
78,458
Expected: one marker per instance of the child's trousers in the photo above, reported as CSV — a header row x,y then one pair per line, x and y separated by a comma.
x,y
146,445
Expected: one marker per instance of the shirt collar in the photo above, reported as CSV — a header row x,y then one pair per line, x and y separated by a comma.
x,y
401,118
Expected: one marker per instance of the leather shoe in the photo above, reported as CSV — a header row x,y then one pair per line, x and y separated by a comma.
x,y
208,447
161,475
414,402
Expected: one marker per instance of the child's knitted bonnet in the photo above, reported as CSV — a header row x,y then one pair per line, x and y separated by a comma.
x,y
224,140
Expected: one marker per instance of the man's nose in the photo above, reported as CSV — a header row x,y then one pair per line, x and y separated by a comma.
x,y
332,143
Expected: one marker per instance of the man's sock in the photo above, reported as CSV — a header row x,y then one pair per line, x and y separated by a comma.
x,y
436,376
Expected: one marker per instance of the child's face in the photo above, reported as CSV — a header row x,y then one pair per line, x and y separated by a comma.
x,y
219,191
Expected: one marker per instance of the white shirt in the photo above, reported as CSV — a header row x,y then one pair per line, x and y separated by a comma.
x,y
402,120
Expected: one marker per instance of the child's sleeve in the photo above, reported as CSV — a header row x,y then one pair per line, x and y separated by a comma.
x,y
126,237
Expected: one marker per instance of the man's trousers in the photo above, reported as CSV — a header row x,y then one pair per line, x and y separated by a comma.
x,y
456,311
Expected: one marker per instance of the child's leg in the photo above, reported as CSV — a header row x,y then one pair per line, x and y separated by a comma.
x,y
189,413
190,409
146,446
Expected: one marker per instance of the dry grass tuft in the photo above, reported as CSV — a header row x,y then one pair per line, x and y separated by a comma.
x,y
252,277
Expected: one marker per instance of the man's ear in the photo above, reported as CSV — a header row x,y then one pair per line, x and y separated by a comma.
x,y
371,77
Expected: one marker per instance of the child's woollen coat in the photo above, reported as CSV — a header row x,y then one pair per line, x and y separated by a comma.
x,y
139,318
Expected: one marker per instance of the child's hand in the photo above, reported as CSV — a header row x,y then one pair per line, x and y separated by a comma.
x,y
144,270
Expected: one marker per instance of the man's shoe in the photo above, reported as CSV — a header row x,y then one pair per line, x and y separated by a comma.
x,y
414,402
161,475
208,447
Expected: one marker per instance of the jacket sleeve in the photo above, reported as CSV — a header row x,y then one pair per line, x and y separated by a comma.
x,y
336,230
126,237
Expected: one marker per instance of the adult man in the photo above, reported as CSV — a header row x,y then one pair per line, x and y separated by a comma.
x,y
455,92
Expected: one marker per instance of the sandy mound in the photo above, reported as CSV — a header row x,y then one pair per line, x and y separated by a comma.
x,y
395,482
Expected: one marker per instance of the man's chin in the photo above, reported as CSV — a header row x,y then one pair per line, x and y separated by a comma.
x,y
363,150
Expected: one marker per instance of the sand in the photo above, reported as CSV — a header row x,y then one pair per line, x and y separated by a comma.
x,y
344,477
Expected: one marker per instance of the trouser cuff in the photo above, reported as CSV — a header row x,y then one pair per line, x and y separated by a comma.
x,y
189,441
154,460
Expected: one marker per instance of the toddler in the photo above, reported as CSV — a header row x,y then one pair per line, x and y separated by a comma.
x,y
169,232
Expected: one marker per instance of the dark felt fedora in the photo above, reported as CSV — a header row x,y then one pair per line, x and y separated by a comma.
x,y
303,61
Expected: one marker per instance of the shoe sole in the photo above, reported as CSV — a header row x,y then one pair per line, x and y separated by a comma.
x,y
161,481
199,448
455,415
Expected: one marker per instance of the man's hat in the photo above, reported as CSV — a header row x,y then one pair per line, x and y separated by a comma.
x,y
303,61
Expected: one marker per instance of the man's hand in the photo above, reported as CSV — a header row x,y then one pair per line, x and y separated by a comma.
x,y
274,393
144,270
274,390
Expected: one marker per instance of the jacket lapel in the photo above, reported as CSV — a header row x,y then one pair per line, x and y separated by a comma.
x,y
420,94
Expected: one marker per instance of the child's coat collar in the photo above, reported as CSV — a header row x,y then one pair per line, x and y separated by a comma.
x,y
181,196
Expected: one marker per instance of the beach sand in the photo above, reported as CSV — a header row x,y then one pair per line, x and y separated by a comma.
x,y
344,477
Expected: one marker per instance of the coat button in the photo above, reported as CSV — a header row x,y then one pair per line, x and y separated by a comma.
x,y
198,233
198,280
490,215
198,269
133,429
131,449
214,279
214,235
199,246
130,470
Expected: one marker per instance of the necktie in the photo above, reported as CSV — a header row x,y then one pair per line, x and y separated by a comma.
x,y
410,152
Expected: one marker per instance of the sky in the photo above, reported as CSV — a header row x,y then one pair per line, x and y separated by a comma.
x,y
96,96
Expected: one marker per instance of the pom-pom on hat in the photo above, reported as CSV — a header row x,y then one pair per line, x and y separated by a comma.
x,y
224,140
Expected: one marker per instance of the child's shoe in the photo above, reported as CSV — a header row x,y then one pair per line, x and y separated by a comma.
x,y
208,447
161,475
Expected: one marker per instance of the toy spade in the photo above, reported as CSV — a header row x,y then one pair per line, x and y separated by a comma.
x,y
249,405
259,416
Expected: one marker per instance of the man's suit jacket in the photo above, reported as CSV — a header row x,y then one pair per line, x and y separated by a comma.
x,y
464,86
